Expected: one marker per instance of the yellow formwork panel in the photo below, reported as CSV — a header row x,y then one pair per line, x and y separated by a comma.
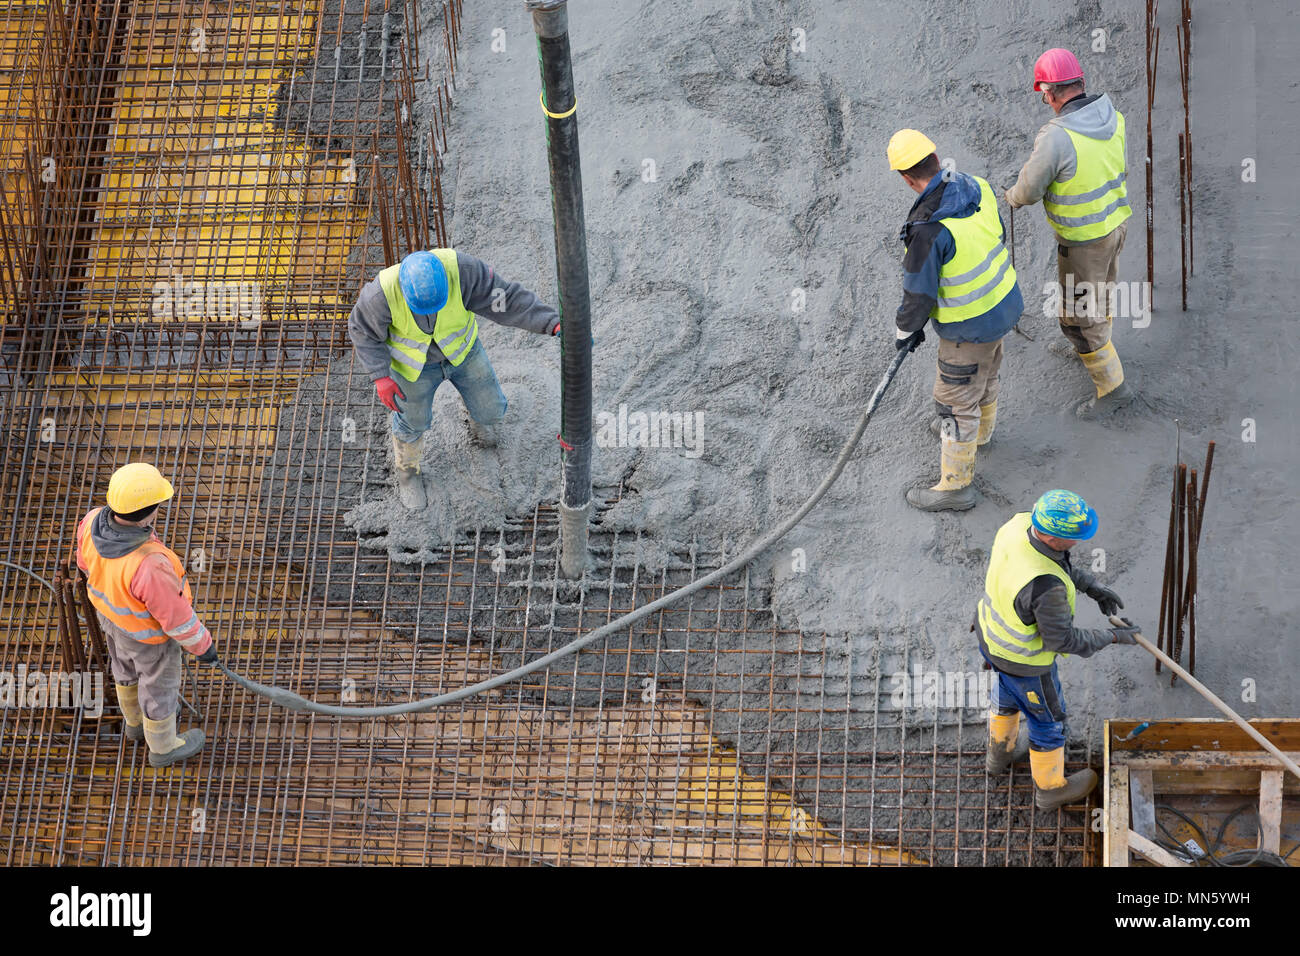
x,y
715,783
26,65
22,37
201,188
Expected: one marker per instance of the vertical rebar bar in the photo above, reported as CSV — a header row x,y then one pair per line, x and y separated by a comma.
x,y
1011,233
1152,57
1200,521
1182,215
1176,620
1167,582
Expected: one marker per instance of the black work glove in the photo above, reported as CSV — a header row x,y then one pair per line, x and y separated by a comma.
x,y
1124,635
210,655
909,341
1106,599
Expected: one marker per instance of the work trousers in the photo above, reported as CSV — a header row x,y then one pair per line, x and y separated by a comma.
x,y
1087,275
967,379
474,378
155,667
1038,697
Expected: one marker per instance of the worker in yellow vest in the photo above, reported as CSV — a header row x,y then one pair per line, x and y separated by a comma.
x,y
144,607
1078,169
957,275
1025,620
414,327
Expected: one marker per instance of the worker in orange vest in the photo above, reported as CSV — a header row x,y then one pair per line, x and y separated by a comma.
x,y
143,603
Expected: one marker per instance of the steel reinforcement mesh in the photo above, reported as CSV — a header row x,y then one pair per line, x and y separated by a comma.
x,y
192,196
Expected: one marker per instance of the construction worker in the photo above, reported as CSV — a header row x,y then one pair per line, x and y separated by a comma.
x,y
414,327
1078,169
1024,621
957,274
143,604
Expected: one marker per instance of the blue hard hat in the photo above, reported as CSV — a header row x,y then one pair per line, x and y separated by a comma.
x,y
1063,514
423,280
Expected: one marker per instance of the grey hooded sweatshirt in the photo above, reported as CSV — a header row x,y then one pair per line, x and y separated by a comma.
x,y
1054,157
484,293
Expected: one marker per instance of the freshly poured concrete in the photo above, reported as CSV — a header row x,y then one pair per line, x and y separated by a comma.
x,y
744,265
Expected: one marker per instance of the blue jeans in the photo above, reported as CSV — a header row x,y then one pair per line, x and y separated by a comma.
x,y
474,378
1039,699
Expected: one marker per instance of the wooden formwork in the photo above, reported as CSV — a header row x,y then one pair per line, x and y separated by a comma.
x,y
1208,770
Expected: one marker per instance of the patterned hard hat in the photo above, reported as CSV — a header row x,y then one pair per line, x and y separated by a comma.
x,y
1063,514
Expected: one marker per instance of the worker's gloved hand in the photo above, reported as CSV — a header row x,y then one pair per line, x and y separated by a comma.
x,y
1006,194
387,388
1125,635
210,655
909,340
1107,600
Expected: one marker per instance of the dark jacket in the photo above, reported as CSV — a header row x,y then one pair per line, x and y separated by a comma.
x,y
929,246
1043,601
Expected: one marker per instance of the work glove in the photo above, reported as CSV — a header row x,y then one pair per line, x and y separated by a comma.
x,y
909,340
1107,600
1006,194
1124,635
387,388
210,655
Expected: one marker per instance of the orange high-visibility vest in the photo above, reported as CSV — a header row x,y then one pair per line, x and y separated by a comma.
x,y
108,581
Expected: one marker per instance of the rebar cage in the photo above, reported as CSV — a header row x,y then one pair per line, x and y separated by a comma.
x,y
192,196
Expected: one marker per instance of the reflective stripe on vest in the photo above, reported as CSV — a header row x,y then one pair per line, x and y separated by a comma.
x,y
1094,200
108,583
454,329
1013,563
979,274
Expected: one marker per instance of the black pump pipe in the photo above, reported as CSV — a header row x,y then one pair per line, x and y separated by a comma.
x,y
551,22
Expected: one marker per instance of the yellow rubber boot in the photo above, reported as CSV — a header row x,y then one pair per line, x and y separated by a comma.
x,y
406,469
128,699
1051,787
165,747
954,491
1105,368
1004,734
988,419
1108,378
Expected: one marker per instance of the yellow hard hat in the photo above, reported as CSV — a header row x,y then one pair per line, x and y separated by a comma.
x,y
908,147
135,486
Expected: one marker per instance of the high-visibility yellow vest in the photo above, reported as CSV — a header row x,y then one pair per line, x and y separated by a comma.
x,y
1013,563
979,274
1092,202
454,330
108,583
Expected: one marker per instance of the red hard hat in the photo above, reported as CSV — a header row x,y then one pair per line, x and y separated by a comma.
x,y
1056,66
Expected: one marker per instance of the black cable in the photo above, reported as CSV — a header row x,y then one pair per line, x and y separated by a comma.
x,y
1211,856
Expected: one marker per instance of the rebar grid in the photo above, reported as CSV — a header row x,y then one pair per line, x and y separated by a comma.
x,y
709,734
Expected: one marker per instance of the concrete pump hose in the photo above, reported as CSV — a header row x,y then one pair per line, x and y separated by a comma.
x,y
285,698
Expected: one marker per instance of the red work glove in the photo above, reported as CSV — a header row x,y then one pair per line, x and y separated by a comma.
x,y
387,388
